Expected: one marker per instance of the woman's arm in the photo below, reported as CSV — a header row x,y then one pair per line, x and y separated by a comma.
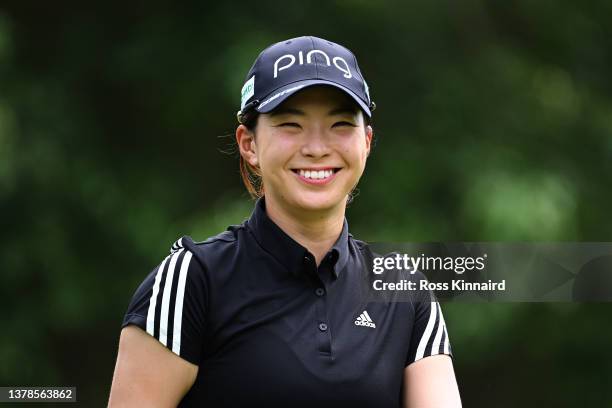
x,y
147,374
430,383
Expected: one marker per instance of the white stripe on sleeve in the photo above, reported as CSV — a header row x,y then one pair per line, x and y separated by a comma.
x,y
153,299
427,334
163,320
178,306
176,245
435,347
446,340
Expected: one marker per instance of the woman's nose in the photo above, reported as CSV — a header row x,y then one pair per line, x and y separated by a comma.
x,y
315,144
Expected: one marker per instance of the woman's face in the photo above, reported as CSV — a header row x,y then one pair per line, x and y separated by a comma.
x,y
311,150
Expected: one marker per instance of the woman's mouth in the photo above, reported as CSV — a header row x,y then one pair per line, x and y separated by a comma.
x,y
316,176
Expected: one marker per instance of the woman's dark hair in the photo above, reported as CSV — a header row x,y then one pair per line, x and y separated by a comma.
x,y
251,175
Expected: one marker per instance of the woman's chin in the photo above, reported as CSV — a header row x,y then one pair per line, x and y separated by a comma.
x,y
319,202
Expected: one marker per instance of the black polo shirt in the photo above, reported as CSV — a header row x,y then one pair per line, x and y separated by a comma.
x,y
267,327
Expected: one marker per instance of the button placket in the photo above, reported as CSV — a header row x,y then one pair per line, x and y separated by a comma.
x,y
324,337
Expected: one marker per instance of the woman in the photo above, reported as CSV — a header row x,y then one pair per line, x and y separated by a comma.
x,y
271,312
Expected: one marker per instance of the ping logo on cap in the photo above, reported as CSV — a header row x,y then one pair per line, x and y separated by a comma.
x,y
344,67
248,90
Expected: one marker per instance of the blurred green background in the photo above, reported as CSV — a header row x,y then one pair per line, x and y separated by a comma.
x,y
494,123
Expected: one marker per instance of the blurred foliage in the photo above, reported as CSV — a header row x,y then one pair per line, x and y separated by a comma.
x,y
494,122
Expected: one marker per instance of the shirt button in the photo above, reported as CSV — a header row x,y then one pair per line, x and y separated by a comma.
x,y
320,291
306,259
322,327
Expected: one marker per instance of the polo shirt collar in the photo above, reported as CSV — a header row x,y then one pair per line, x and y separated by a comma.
x,y
288,251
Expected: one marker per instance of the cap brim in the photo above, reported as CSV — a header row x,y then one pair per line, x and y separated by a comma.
x,y
270,102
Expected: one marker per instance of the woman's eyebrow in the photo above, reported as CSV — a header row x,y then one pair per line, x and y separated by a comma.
x,y
286,111
351,110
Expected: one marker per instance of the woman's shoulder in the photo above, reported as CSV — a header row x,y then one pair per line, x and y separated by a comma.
x,y
358,244
211,248
186,242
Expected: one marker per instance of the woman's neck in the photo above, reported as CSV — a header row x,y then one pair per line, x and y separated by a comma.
x,y
317,232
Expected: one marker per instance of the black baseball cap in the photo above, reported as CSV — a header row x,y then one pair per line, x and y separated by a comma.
x,y
288,66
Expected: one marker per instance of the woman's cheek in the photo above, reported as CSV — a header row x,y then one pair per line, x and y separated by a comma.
x,y
276,149
284,142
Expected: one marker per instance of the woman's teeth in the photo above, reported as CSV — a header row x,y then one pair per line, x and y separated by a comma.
x,y
320,174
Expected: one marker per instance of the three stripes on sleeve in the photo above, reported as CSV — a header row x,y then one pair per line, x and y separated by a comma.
x,y
165,313
434,339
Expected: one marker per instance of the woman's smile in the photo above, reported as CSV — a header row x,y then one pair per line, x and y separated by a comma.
x,y
316,175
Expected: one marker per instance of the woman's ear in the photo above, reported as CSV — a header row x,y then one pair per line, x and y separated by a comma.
x,y
369,133
245,139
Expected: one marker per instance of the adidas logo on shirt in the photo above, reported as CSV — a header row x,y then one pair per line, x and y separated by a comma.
x,y
365,320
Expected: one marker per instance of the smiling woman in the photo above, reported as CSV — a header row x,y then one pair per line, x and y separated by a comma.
x,y
271,312
311,151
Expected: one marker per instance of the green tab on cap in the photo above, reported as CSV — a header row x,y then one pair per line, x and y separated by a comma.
x,y
248,90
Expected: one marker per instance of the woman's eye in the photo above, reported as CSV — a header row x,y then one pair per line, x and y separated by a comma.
x,y
344,124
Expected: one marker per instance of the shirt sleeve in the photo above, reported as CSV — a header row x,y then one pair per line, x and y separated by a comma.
x,y
170,303
429,335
